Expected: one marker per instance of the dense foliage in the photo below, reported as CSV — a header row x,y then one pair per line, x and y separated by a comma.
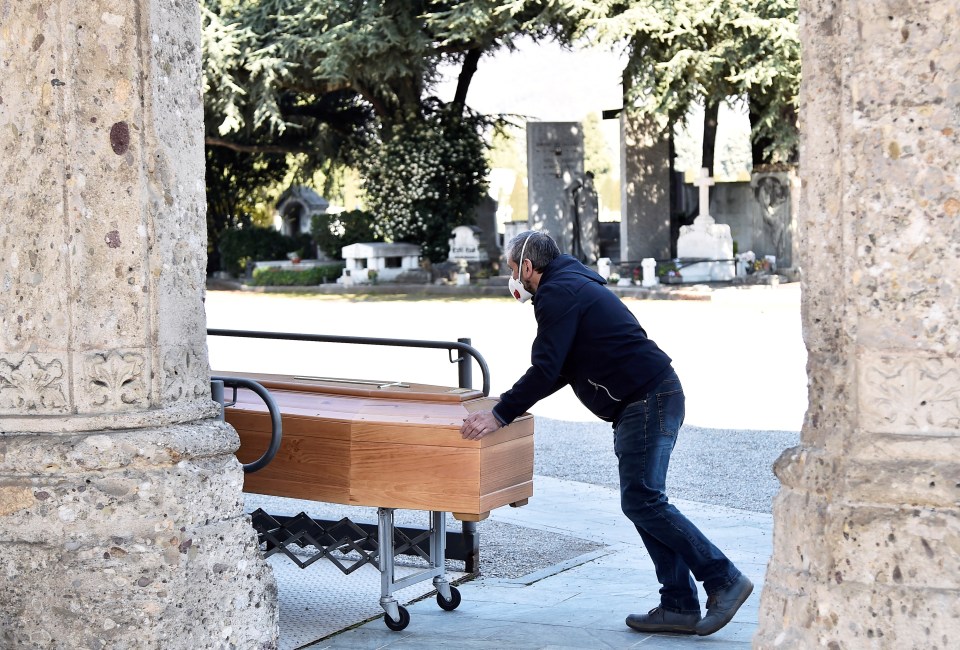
x,y
332,232
686,51
347,83
426,179
239,247
237,196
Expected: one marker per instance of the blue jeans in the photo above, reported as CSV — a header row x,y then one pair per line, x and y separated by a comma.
x,y
644,438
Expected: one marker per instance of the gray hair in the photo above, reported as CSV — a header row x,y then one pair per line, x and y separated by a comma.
x,y
540,249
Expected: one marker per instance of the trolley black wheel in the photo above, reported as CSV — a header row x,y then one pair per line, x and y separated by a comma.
x,y
396,626
453,603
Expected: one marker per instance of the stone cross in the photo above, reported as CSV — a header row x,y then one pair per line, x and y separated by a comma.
x,y
704,182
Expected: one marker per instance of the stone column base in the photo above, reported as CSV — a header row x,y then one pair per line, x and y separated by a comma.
x,y
130,539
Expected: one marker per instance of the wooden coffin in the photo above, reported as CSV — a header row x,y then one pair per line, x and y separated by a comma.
x,y
382,444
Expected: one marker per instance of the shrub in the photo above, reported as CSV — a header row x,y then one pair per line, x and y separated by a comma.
x,y
308,277
426,177
238,247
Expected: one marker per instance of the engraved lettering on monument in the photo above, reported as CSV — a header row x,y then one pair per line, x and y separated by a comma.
x,y
465,245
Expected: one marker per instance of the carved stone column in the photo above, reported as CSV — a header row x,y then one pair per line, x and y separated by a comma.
x,y
120,500
867,523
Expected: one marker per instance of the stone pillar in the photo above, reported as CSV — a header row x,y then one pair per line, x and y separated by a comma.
x,y
121,521
645,188
867,523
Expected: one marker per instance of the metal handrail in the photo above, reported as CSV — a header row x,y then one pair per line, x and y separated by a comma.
x,y
461,346
276,425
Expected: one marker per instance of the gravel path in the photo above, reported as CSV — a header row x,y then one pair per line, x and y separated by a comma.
x,y
715,466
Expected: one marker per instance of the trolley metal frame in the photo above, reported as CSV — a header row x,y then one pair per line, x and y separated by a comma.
x,y
277,534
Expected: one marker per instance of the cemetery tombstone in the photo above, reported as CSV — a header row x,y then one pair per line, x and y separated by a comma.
x,y
773,195
554,166
706,240
378,261
466,244
762,215
486,219
644,188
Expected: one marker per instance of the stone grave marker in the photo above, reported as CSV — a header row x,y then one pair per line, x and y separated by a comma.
x,y
554,166
466,244
706,239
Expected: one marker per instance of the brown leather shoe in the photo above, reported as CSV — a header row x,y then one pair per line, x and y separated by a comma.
x,y
659,620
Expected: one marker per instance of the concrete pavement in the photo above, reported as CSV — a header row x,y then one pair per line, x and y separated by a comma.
x,y
578,603
742,362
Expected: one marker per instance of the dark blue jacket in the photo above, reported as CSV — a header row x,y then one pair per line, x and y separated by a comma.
x,y
586,337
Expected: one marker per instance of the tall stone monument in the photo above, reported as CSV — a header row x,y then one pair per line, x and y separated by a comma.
x,y
121,522
645,188
554,170
707,240
867,522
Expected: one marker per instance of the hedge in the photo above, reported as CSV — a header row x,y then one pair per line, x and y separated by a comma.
x,y
265,276
238,247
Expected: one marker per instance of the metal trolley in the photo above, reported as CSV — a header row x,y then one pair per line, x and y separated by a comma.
x,y
347,544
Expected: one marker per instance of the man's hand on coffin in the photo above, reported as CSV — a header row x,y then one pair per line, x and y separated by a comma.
x,y
479,424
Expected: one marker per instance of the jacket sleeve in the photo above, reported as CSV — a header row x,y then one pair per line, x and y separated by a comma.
x,y
558,315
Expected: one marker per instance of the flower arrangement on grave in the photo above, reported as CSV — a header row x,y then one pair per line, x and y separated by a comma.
x,y
761,266
613,278
668,270
753,264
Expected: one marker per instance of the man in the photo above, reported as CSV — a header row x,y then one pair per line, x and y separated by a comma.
x,y
587,338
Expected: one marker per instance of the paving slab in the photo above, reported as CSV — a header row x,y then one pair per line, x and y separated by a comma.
x,y
578,603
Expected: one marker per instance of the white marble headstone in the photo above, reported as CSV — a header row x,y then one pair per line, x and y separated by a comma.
x,y
465,245
706,240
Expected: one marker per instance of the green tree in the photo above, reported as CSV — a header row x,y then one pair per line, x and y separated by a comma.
x,y
237,195
709,51
334,231
426,179
340,80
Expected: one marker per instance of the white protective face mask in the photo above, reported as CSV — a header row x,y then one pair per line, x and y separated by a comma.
x,y
517,290
516,287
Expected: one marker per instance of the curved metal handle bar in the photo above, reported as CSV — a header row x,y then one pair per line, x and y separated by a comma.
x,y
277,433
363,340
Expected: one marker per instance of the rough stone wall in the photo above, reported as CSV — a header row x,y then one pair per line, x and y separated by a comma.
x,y
867,523
120,516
